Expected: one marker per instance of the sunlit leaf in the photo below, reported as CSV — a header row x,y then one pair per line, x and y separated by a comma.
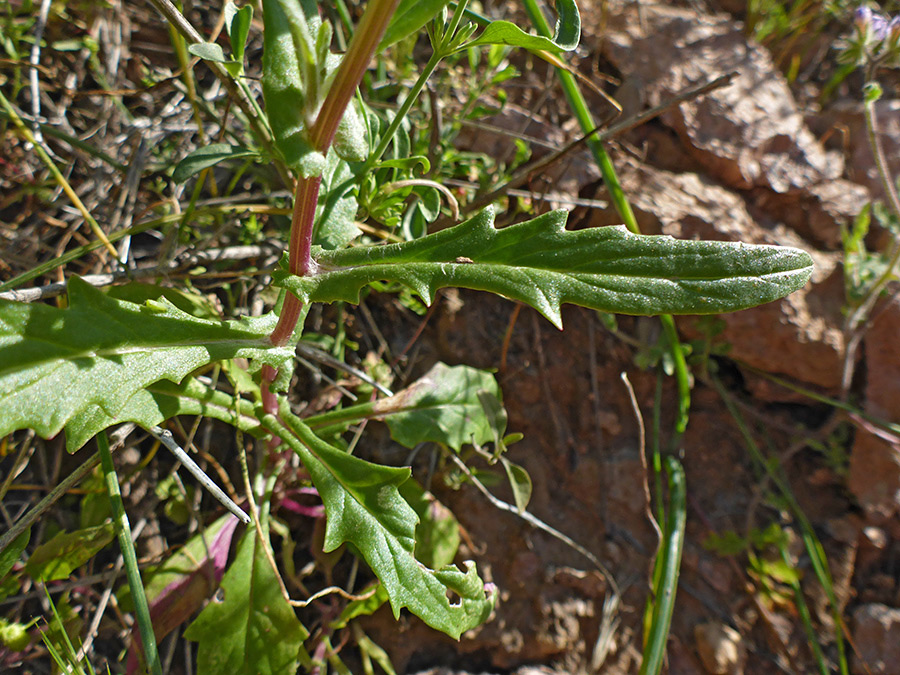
x,y
364,507
252,629
85,364
565,37
542,264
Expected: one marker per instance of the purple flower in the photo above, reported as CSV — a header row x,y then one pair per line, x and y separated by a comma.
x,y
879,27
894,28
862,17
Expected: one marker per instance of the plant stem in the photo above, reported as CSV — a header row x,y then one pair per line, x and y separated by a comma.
x,y
668,566
240,95
440,51
858,317
350,73
620,201
402,111
123,531
306,193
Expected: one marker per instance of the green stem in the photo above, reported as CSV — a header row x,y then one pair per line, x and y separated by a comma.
x,y
411,97
123,531
673,544
805,617
859,316
587,123
259,128
439,52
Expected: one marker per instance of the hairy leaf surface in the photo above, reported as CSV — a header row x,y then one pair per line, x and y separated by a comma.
x,y
83,365
364,507
542,264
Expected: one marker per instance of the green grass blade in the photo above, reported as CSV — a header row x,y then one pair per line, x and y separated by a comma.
x,y
670,553
126,544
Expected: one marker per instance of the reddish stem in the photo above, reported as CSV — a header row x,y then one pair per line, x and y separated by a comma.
x,y
300,261
351,70
306,192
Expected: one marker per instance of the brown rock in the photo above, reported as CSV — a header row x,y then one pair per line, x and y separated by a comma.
x,y
721,648
799,336
875,461
846,119
876,636
750,133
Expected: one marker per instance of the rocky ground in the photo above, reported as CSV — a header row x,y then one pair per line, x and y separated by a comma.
x,y
762,160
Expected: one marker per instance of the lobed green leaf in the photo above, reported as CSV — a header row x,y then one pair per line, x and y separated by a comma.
x,y
84,365
364,507
540,263
442,406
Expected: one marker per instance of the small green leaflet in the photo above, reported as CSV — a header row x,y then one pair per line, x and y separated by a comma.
x,y
443,407
66,552
565,37
205,157
542,264
409,17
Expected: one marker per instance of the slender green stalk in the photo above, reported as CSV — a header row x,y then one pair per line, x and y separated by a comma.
x,y
411,97
440,51
815,396
587,123
241,95
861,313
123,532
672,546
803,611
682,376
666,568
